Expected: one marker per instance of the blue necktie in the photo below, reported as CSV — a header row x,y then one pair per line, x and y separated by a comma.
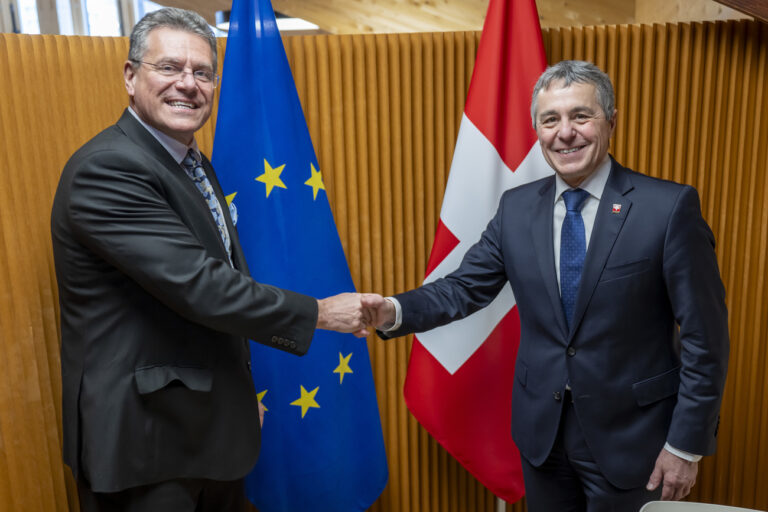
x,y
573,248
195,171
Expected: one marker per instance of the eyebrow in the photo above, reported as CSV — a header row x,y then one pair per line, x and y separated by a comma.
x,y
169,60
581,109
574,110
180,63
547,113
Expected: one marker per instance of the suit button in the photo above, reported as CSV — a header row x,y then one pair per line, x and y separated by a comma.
x,y
293,344
249,366
571,351
274,339
556,395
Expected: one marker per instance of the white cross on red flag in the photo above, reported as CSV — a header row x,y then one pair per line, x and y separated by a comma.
x,y
459,381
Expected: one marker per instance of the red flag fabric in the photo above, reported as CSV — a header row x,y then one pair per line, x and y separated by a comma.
x,y
459,381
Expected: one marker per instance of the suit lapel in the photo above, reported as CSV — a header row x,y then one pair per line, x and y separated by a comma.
x,y
541,232
140,136
608,224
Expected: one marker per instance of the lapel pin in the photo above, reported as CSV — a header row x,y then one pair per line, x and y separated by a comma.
x,y
616,208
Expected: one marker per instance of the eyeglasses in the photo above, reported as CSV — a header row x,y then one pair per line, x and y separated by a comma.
x,y
201,76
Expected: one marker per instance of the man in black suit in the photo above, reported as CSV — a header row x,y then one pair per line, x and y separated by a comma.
x,y
160,412
624,338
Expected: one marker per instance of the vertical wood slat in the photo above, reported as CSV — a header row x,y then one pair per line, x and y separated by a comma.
x,y
383,112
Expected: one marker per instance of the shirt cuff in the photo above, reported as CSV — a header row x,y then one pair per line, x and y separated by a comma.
x,y
398,316
690,457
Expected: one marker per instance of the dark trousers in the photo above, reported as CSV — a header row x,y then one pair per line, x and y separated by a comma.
x,y
182,495
570,481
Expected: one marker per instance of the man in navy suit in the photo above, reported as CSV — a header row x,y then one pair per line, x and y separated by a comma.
x,y
159,409
624,339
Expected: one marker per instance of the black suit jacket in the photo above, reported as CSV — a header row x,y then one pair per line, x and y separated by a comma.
x,y
647,352
154,320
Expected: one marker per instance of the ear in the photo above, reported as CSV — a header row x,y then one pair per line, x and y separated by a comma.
x,y
129,75
612,121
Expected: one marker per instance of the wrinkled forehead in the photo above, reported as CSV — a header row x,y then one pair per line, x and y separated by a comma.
x,y
567,95
572,87
174,43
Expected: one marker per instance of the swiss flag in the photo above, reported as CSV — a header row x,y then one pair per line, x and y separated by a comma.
x,y
459,382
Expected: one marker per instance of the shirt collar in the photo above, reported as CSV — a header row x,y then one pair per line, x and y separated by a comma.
x,y
594,183
177,150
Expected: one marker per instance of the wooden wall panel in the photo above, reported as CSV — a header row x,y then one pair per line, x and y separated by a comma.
x,y
383,112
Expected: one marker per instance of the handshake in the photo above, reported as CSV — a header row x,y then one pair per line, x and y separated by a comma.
x,y
354,312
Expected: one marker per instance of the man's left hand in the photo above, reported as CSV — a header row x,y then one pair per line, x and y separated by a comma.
x,y
677,475
261,413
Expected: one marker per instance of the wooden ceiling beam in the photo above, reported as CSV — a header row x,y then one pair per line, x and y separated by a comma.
x,y
755,8
381,16
205,8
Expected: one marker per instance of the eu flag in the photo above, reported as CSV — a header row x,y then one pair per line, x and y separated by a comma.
x,y
322,447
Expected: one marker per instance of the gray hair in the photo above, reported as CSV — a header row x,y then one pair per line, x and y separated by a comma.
x,y
171,17
580,72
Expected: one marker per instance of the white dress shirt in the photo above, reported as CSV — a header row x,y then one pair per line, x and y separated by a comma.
x,y
177,150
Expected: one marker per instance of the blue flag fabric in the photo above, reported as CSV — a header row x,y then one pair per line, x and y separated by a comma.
x,y
322,447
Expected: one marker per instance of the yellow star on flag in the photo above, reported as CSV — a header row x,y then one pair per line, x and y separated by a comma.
x,y
260,396
343,366
316,181
230,198
271,177
306,400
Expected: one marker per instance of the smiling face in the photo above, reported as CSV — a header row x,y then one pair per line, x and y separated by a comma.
x,y
177,106
573,131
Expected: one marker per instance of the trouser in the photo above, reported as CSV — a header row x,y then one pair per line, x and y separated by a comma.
x,y
181,495
570,481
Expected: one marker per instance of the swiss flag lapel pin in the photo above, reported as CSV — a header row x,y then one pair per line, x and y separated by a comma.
x,y
616,208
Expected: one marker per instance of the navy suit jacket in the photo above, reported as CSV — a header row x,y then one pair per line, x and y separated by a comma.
x,y
154,357
647,353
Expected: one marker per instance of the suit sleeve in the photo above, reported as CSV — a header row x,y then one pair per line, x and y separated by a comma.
x,y
118,209
471,287
698,300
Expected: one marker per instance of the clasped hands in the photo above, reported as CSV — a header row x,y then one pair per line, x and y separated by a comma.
x,y
354,312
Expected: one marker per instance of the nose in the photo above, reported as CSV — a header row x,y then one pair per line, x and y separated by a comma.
x,y
566,130
186,80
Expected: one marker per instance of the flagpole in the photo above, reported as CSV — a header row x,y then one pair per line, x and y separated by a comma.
x,y
501,505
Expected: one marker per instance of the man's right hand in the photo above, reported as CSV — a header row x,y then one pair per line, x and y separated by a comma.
x,y
342,313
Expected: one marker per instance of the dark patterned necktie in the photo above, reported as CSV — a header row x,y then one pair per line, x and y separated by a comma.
x,y
195,171
572,250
